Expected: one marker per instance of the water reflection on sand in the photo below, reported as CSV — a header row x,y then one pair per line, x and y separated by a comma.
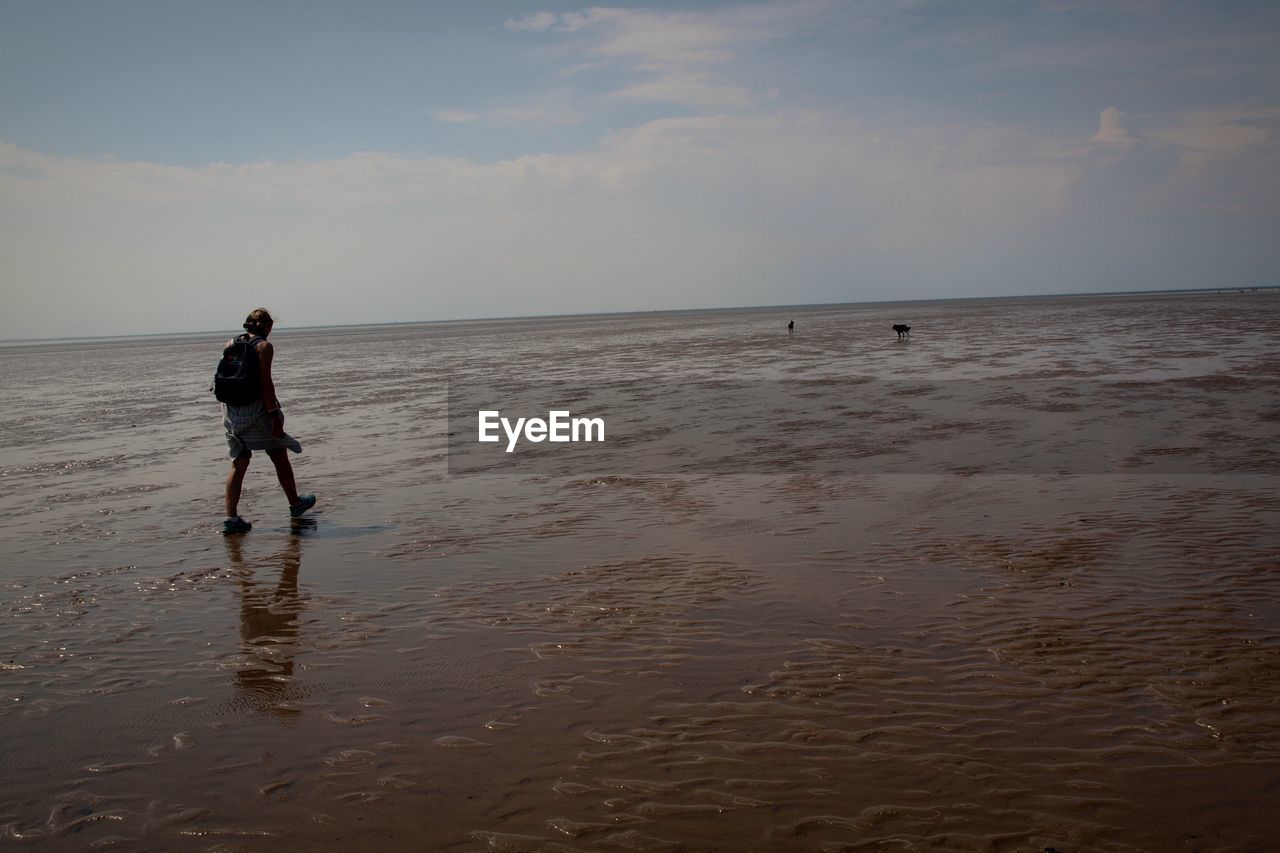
x,y
269,611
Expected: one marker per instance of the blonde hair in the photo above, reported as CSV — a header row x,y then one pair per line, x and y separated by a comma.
x,y
259,322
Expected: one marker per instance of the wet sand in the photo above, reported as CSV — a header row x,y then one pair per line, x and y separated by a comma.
x,y
628,660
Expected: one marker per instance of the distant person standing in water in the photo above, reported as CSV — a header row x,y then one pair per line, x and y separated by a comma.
x,y
259,425
791,327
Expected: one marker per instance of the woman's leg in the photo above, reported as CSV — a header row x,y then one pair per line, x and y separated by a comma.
x,y
284,473
234,480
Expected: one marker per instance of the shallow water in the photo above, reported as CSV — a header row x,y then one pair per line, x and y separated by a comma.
x,y
624,659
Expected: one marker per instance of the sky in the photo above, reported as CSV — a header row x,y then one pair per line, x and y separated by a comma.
x,y
167,166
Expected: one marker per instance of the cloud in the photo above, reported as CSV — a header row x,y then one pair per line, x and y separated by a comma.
x,y
656,40
538,22
1198,139
677,212
651,38
688,211
1208,134
672,54
1113,129
1227,160
688,88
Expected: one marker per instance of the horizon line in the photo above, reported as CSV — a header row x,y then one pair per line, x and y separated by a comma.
x,y
633,312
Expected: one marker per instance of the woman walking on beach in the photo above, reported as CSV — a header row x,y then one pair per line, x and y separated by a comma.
x,y
258,424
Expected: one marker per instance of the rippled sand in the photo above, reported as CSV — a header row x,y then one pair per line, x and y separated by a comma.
x,y
635,661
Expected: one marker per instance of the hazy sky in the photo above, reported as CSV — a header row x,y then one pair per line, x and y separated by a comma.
x,y
166,166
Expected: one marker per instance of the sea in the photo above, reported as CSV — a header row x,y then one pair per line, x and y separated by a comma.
x,y
1009,583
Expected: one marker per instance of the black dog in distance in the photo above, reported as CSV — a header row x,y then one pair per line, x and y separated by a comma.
x,y
903,331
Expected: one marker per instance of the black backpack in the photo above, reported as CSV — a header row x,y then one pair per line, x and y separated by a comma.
x,y
237,380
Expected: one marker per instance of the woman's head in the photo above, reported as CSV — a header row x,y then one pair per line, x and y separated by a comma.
x,y
259,322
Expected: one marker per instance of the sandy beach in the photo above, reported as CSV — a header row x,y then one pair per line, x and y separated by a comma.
x,y
942,649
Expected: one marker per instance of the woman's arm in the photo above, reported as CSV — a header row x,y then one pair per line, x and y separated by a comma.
x,y
269,401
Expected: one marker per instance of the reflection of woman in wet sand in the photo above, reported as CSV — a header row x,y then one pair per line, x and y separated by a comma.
x,y
268,627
